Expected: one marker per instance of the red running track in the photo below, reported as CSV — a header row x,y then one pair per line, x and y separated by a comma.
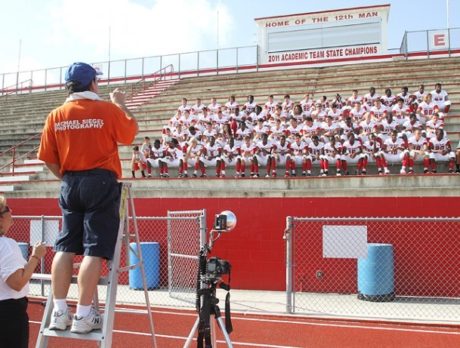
x,y
268,331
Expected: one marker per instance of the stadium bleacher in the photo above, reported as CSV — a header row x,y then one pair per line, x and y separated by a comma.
x,y
22,116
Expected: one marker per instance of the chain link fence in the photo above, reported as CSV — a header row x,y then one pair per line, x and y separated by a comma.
x,y
170,247
404,269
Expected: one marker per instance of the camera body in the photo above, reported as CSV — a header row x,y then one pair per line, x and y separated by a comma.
x,y
216,268
225,221
220,222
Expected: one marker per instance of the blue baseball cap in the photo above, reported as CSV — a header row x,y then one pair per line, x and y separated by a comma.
x,y
82,73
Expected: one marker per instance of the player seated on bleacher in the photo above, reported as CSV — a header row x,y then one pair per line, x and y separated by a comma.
x,y
155,158
138,162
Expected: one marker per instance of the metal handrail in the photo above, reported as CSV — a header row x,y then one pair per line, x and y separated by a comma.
x,y
13,89
144,84
13,150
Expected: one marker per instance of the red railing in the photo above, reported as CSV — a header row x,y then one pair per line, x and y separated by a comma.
x,y
13,152
23,86
150,80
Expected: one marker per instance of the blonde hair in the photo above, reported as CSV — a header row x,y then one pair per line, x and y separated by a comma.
x,y
2,202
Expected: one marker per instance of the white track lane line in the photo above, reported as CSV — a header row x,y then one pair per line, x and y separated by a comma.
x,y
183,338
386,326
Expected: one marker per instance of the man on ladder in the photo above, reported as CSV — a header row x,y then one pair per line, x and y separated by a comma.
x,y
79,146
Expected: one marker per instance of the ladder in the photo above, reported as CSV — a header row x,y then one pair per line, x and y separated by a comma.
x,y
104,336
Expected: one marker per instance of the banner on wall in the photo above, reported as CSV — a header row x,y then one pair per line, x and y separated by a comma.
x,y
324,35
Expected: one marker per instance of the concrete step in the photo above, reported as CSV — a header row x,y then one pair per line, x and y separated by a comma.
x,y
346,186
14,178
8,188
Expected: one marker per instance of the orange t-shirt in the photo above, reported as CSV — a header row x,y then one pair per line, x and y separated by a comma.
x,y
83,135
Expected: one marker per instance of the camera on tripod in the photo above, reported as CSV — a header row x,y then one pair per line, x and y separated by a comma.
x,y
216,268
209,277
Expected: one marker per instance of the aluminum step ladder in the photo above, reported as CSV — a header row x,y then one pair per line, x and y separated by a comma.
x,y
104,336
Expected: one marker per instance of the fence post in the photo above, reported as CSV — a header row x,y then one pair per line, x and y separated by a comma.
x,y
202,222
448,39
288,237
427,44
42,265
168,240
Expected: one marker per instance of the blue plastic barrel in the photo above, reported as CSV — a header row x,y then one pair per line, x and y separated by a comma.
x,y
24,250
376,274
151,256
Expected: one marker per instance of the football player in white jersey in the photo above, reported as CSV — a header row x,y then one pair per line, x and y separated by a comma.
x,y
192,157
394,149
197,108
439,149
335,112
282,151
211,156
357,112
278,130
287,104
420,94
353,153
331,154
184,106
214,106
299,114
417,151
329,128
427,107
231,106
374,146
247,156
293,129
174,157
434,124
412,125
231,156
355,98
441,98
378,110
299,155
264,156
250,105
370,98
388,99
306,103
138,162
270,105
310,128
155,158
404,95
316,153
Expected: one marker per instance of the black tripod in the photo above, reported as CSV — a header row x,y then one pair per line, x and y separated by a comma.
x,y
207,306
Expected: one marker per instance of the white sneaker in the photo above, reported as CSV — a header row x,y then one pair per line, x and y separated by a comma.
x,y
60,320
93,321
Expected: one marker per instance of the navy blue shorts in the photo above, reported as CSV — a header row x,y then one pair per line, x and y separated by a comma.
x,y
90,203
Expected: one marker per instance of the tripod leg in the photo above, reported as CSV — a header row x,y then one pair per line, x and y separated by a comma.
x,y
213,333
192,333
221,323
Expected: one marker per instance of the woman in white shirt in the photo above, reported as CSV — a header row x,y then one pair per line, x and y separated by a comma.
x,y
15,273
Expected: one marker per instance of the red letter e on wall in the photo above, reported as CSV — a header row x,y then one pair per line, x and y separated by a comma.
x,y
439,39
